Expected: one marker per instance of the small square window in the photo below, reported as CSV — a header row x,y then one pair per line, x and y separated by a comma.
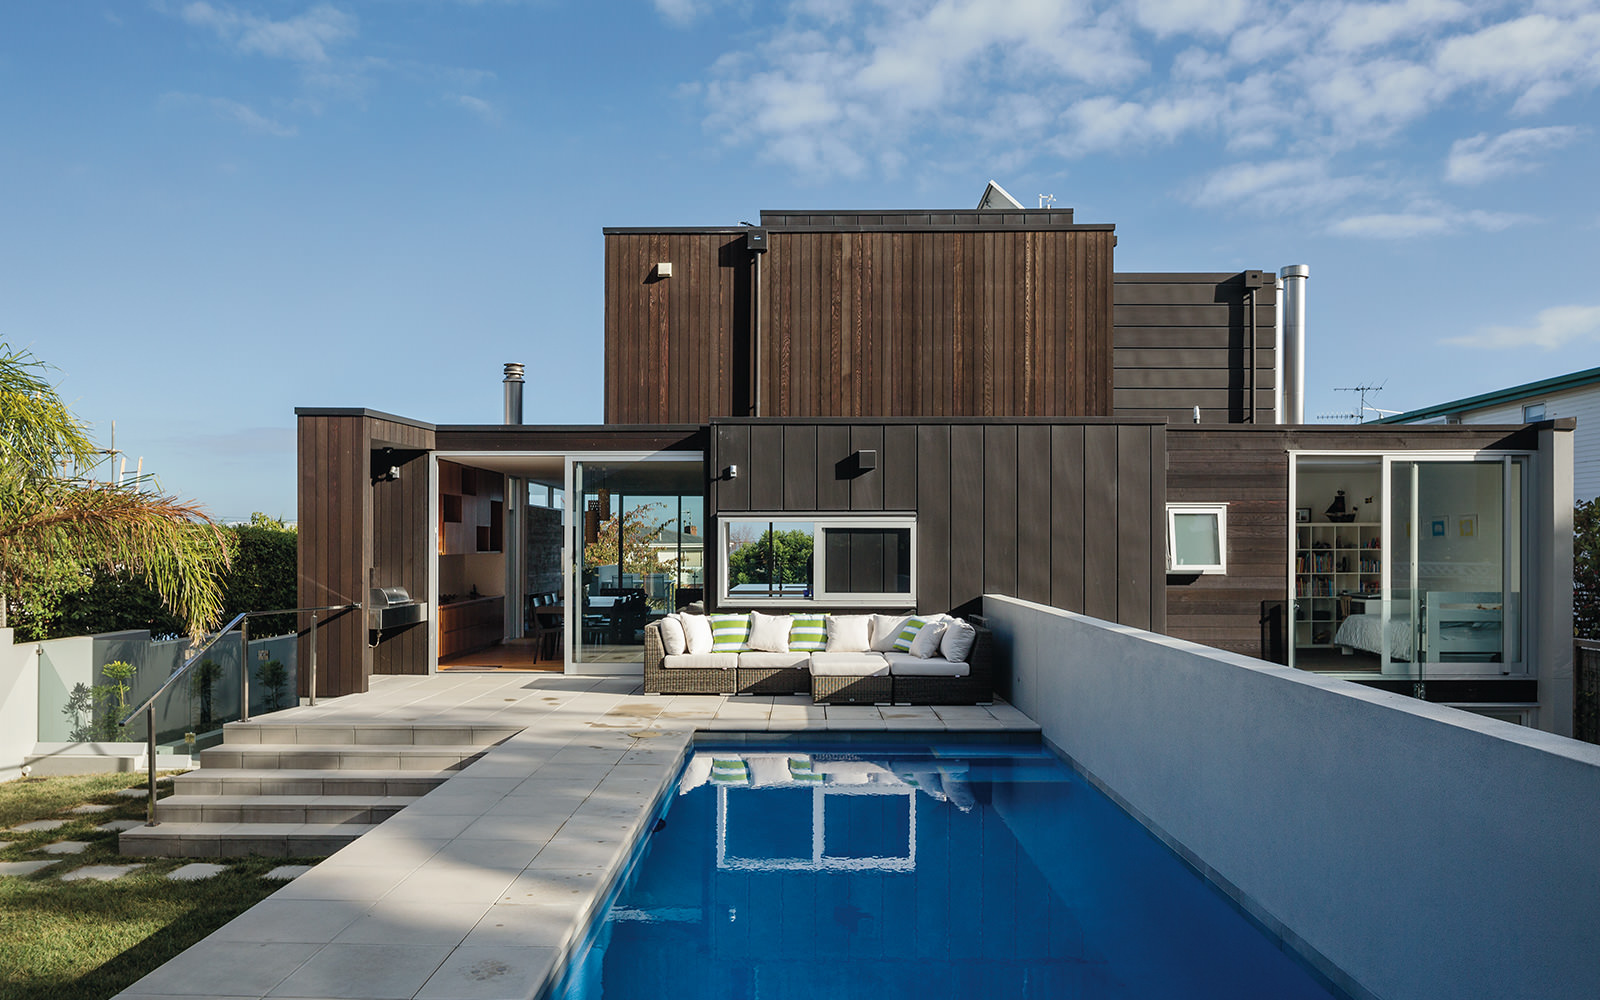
x,y
1197,538
1532,412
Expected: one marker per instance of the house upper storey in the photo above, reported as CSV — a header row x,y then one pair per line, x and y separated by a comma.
x,y
913,313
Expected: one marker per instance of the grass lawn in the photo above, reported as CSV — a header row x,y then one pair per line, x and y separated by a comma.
x,y
87,940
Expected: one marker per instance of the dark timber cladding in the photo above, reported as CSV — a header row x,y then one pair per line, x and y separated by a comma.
x,y
901,314
347,523
1183,340
1068,513
1248,469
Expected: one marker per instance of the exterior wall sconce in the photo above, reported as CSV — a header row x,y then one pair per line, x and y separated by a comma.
x,y
663,270
730,473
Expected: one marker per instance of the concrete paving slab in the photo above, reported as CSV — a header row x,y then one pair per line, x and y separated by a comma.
x,y
196,872
364,971
225,968
491,973
20,868
90,808
38,825
288,921
118,825
100,873
66,847
406,922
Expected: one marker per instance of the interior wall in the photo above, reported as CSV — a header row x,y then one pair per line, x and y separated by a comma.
x,y
460,573
1316,488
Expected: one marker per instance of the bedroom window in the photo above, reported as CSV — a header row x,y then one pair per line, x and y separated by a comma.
x,y
1197,538
790,560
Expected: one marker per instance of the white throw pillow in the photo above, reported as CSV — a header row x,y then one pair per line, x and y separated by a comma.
x,y
769,633
957,642
929,640
849,633
885,630
697,630
673,640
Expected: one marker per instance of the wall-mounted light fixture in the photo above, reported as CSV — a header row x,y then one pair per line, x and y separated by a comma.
x,y
664,270
385,465
731,472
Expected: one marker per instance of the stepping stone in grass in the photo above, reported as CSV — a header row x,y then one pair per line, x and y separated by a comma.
x,y
89,808
103,873
118,825
38,824
284,873
195,872
65,847
133,793
22,867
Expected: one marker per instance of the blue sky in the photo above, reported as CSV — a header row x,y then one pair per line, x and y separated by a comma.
x,y
218,211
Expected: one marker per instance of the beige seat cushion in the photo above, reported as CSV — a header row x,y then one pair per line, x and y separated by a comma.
x,y
773,661
907,665
700,661
849,665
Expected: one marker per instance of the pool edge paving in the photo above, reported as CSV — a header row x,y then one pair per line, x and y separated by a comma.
x,y
538,864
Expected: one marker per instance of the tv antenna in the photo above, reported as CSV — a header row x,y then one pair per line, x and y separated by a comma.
x,y
1362,406
1046,200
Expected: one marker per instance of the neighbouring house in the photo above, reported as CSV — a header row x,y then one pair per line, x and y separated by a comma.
x,y
914,409
1575,395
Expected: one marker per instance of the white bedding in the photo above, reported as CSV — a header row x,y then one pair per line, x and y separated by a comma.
x,y
1365,632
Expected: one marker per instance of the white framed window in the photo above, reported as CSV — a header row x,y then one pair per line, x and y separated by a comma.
x,y
820,559
1197,538
1532,412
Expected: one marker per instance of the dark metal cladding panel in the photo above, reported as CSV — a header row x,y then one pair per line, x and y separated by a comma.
x,y
1067,517
1101,534
731,450
833,484
897,463
966,515
933,517
799,467
1000,510
866,491
767,468
1034,524
1134,542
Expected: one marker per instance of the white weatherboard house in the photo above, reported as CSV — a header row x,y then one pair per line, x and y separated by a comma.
x,y
1575,395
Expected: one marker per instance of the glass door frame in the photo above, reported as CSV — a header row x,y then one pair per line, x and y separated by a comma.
x,y
1520,668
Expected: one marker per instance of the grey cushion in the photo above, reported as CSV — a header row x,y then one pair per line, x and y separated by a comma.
x,y
849,665
700,661
773,661
907,665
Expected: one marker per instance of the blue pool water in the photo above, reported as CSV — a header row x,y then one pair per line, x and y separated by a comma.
x,y
954,872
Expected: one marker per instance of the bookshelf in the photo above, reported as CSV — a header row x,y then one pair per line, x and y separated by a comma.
x,y
1332,561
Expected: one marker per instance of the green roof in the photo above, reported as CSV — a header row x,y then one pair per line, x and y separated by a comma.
x,y
1576,380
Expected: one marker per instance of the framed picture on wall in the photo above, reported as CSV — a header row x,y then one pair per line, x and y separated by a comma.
x,y
1437,526
1302,515
1467,525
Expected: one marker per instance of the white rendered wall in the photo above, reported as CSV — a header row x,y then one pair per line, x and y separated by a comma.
x,y
19,702
1406,849
1584,404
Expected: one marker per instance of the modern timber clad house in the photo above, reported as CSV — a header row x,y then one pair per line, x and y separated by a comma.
x,y
945,405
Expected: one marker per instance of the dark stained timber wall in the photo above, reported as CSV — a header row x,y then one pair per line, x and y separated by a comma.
x,y
1248,469
945,321
1065,513
1183,340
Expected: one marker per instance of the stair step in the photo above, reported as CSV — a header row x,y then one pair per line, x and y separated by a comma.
x,y
319,781
334,756
366,734
290,809
237,840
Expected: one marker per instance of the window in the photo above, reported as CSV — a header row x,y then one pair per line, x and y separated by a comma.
x,y
784,559
1532,412
1197,538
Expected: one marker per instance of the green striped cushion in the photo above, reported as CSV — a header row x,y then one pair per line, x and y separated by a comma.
x,y
729,632
729,770
908,635
800,770
808,634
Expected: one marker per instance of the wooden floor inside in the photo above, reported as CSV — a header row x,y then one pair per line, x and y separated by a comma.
x,y
512,654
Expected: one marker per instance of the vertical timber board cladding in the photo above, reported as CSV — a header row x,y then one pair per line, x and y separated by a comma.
x,y
353,531
676,348
1182,340
1066,513
859,324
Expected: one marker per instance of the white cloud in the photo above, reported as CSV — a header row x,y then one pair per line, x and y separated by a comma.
x,y
1200,17
1554,328
1367,25
680,11
1278,186
1423,221
303,38
236,112
1483,158
479,107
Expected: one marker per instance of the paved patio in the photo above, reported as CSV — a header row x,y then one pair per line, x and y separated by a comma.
x,y
479,889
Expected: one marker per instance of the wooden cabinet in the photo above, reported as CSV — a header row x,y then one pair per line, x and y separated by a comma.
x,y
471,510
468,625
1332,561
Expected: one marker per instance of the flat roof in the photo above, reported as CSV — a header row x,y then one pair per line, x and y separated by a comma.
x,y
1575,380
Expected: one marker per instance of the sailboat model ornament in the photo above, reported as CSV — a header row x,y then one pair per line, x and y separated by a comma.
x,y
1336,511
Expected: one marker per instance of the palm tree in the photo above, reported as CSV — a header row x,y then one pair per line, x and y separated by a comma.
x,y
56,523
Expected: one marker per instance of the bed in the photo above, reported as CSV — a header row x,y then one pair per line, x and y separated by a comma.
x,y
1457,624
1365,632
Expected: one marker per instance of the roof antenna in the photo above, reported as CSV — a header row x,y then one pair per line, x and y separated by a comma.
x,y
1362,406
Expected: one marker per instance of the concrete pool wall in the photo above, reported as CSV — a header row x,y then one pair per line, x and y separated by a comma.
x,y
1404,849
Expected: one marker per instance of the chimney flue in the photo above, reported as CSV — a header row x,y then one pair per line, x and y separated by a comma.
x,y
1293,330
513,392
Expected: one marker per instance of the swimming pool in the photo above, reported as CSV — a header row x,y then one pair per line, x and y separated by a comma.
x,y
919,872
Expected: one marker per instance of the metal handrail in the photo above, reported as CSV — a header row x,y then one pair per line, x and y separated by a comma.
x,y
243,621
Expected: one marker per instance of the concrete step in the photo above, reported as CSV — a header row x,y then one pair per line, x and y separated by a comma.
x,y
238,840
339,756
293,781
321,734
288,809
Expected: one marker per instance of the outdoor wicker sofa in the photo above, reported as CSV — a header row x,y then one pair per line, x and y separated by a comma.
x,y
830,678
